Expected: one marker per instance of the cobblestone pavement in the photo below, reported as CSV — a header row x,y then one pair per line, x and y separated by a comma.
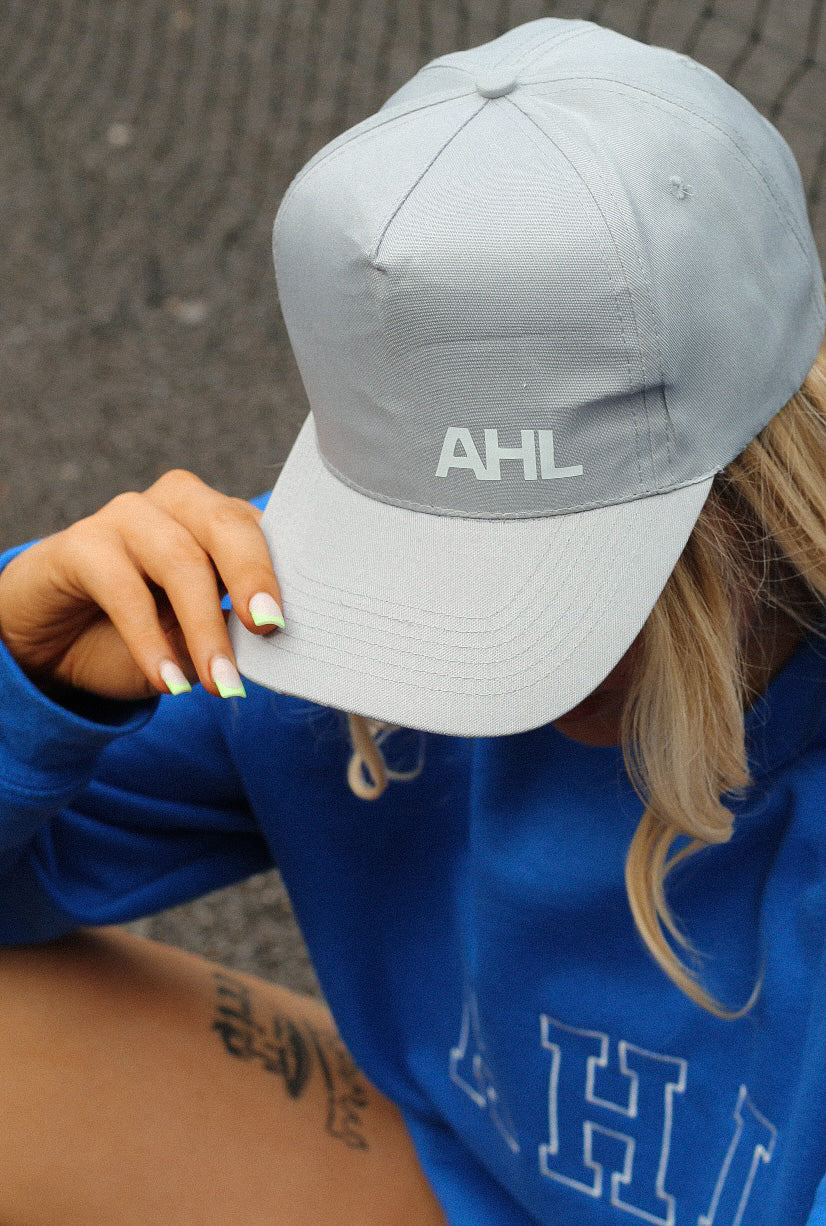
x,y
146,144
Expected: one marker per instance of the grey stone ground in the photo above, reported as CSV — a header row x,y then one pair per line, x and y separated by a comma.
x,y
145,146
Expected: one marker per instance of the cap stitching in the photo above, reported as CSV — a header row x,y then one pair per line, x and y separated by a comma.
x,y
354,136
374,254
542,40
434,66
479,685
603,597
505,620
749,158
346,139
597,597
515,599
649,303
453,513
338,590
534,127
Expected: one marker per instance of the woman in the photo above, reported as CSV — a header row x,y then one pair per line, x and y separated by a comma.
x,y
553,536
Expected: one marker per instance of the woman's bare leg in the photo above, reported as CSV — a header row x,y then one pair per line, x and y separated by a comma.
x,y
140,1085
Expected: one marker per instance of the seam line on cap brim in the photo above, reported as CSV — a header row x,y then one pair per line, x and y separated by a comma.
x,y
683,108
538,609
542,147
362,665
515,597
501,616
498,620
374,600
374,254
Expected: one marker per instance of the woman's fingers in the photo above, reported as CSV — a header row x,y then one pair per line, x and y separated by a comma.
x,y
186,541
128,600
102,631
227,531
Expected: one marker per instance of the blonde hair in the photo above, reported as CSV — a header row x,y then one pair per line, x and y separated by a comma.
x,y
759,545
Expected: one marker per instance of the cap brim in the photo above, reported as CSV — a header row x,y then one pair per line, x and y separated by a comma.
x,y
467,627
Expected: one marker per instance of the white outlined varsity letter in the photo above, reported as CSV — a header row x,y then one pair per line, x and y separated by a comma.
x,y
752,1143
606,1117
469,1070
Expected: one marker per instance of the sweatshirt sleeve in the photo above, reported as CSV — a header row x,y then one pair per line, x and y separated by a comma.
x,y
112,811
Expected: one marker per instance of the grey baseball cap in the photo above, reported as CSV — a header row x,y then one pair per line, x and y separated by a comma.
x,y
537,301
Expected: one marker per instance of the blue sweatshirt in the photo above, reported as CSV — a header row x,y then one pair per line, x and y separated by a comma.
x,y
471,932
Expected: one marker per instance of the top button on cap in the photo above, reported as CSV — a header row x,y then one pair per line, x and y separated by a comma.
x,y
495,84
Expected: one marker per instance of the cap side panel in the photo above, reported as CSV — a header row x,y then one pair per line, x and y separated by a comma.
x,y
686,105
719,391
797,328
327,281
637,294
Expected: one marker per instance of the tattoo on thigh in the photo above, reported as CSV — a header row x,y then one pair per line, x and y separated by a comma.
x,y
291,1050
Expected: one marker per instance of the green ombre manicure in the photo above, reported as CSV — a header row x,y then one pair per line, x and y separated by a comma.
x,y
227,678
173,678
265,611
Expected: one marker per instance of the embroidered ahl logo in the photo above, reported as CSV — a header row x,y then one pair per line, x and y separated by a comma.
x,y
491,469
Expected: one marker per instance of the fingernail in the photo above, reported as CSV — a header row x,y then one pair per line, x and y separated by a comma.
x,y
227,678
265,611
173,678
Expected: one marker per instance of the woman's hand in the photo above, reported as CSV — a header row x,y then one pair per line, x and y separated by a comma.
x,y
127,602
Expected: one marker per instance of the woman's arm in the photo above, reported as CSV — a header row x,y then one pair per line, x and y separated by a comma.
x,y
113,805
110,604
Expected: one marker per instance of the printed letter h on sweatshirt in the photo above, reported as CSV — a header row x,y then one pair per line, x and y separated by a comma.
x,y
610,1114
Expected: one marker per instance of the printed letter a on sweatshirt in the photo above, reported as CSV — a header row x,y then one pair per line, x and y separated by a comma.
x,y
751,1146
610,1114
470,1071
